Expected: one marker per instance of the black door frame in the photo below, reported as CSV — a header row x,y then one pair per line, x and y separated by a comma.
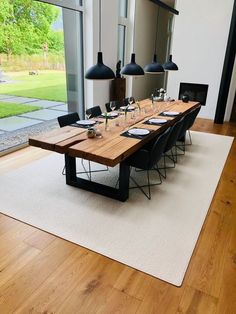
x,y
227,71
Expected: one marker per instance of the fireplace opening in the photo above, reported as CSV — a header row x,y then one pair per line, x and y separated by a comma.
x,y
196,92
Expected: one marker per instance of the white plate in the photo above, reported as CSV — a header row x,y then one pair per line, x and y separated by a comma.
x,y
139,131
159,121
129,107
86,122
110,114
170,113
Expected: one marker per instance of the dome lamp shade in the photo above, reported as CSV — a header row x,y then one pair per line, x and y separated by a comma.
x,y
170,65
154,67
100,71
132,68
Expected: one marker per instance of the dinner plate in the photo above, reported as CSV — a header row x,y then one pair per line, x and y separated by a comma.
x,y
129,107
86,122
138,131
170,113
158,121
110,114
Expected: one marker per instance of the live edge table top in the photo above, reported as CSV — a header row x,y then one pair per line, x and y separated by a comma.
x,y
112,148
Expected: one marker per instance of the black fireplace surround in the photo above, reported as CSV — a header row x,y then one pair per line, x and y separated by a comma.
x,y
196,92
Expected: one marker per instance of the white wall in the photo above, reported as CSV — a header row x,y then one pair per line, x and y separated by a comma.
x,y
199,44
145,32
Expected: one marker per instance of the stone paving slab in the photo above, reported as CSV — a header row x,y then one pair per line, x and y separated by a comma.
x,y
16,123
44,114
21,100
61,107
6,97
1,132
47,103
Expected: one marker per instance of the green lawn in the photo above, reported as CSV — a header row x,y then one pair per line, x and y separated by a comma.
x,y
9,109
47,85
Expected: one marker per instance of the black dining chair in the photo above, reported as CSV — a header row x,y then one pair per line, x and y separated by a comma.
x,y
188,123
147,160
118,105
94,112
191,121
69,119
170,150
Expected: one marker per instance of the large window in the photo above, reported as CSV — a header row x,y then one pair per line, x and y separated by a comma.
x,y
41,66
122,30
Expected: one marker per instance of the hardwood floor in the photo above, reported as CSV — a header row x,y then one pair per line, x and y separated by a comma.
x,y
40,273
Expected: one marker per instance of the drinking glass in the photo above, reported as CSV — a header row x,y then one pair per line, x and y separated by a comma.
x,y
130,101
88,115
112,105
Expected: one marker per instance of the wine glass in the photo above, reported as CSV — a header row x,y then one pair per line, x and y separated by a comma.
x,y
88,115
130,101
112,105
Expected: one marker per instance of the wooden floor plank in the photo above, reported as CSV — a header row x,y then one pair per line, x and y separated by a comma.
x,y
197,302
15,291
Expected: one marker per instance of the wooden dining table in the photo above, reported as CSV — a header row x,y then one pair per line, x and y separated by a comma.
x,y
112,148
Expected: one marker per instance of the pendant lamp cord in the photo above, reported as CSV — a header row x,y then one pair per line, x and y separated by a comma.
x,y
157,26
100,25
172,31
134,25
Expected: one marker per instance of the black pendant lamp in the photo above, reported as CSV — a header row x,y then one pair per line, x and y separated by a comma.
x,y
100,71
155,67
170,65
132,68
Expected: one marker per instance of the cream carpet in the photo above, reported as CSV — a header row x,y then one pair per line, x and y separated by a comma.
x,y
157,237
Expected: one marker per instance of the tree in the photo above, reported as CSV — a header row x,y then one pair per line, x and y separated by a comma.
x,y
26,25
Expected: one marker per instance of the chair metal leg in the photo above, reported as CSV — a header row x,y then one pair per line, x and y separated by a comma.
x,y
148,185
163,168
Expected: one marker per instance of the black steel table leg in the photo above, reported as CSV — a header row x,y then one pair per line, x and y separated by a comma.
x,y
121,194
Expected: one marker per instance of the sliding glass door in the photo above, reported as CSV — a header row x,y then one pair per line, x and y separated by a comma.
x,y
72,15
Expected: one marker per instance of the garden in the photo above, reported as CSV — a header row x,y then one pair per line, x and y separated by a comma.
x,y
31,55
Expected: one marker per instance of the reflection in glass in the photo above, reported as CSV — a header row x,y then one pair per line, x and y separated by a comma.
x,y
123,8
121,43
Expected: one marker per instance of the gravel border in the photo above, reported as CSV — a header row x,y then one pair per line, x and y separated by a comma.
x,y
21,136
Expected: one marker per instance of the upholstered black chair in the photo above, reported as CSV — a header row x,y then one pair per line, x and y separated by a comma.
x,y
147,159
118,105
68,119
170,150
188,123
94,112
191,121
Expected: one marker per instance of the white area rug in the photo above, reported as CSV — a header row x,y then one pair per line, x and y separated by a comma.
x,y
157,237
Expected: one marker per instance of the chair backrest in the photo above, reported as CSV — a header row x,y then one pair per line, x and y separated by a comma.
x,y
68,119
94,111
184,127
158,147
193,117
174,134
118,105
126,100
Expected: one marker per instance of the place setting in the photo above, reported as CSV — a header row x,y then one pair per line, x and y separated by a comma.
x,y
169,113
137,133
155,121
